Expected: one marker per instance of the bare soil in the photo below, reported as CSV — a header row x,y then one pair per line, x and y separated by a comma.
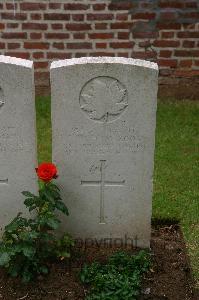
x,y
169,279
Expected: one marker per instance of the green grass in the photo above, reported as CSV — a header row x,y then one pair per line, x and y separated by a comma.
x,y
176,178
44,137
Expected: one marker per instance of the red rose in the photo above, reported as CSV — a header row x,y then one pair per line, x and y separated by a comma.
x,y
46,171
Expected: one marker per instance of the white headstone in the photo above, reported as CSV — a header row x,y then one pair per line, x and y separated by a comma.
x,y
17,136
103,118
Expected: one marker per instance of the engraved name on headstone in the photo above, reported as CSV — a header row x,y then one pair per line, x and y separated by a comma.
x,y
103,118
17,136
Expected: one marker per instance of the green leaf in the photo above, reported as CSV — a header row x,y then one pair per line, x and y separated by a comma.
x,y
28,251
43,269
14,269
54,186
48,195
53,223
29,201
16,224
32,208
28,194
26,276
28,235
4,259
65,254
55,194
62,207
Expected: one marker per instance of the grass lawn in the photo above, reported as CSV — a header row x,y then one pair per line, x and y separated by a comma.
x,y
176,178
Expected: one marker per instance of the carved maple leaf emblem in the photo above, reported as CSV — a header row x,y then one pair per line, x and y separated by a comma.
x,y
103,99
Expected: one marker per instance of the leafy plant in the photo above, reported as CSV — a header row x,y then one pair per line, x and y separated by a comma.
x,y
29,244
119,279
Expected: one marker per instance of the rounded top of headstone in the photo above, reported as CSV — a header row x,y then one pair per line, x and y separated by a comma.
x,y
16,61
100,60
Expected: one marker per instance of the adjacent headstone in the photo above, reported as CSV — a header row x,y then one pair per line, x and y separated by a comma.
x,y
103,118
17,136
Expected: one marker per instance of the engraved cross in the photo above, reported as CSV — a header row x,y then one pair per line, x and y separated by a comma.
x,y
102,183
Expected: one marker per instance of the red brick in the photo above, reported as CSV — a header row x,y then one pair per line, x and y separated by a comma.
x,y
123,54
185,53
56,16
99,17
79,54
34,26
2,45
168,16
83,45
166,25
186,73
102,54
12,25
57,26
76,6
121,25
172,63
99,6
58,45
78,27
100,26
191,15
117,45
122,17
40,64
54,5
57,35
78,18
59,55
79,35
144,55
11,6
24,55
121,5
145,35
143,16
167,35
171,4
187,63
101,35
2,26
166,43
32,6
123,35
193,4
101,45
165,72
43,78
38,55
13,45
12,16
196,62
35,16
145,44
165,53
188,44
35,35
188,34
14,35
33,45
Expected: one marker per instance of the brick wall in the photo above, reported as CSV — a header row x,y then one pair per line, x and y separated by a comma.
x,y
159,30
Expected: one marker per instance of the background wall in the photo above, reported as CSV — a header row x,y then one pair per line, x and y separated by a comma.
x,y
160,30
